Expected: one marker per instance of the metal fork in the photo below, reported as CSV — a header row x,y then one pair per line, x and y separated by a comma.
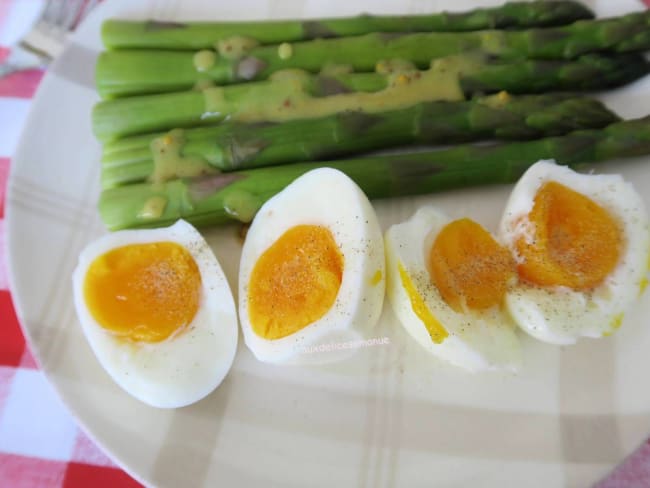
x,y
46,39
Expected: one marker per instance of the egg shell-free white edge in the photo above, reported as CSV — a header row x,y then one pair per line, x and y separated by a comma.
x,y
187,366
477,341
324,197
560,315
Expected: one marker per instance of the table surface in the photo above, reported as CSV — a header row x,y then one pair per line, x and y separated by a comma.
x,y
40,442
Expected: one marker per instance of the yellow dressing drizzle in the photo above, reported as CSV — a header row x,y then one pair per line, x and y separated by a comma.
x,y
201,85
643,285
333,69
204,60
386,66
153,208
285,51
288,98
376,278
644,281
615,324
492,41
170,163
236,47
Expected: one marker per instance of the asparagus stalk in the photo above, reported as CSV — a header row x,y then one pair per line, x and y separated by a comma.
x,y
198,35
233,146
131,72
300,96
237,196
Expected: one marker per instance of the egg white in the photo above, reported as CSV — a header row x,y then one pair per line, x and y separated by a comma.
x,y
560,315
324,197
477,340
188,365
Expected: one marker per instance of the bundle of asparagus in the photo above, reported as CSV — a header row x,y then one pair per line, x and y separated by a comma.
x,y
300,96
220,198
120,34
235,146
169,130
146,71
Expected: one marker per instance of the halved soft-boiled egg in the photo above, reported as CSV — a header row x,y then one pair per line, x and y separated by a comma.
x,y
158,313
581,244
312,270
446,284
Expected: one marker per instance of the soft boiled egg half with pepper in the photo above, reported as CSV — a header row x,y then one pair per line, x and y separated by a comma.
x,y
570,258
312,271
158,313
446,284
581,244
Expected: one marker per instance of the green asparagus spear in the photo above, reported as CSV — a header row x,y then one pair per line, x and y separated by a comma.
x,y
198,35
300,96
232,146
237,196
130,72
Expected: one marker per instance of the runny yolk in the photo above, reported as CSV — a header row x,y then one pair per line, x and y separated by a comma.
x,y
143,292
576,242
469,268
294,282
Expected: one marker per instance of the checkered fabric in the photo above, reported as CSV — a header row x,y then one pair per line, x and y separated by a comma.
x,y
40,443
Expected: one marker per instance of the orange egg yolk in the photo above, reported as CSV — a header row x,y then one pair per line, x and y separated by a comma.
x,y
294,282
576,243
144,292
469,268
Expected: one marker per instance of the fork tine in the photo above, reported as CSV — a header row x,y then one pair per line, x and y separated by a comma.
x,y
51,13
47,37
71,12
46,12
88,6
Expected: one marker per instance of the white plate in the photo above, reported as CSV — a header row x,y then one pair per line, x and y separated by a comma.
x,y
389,417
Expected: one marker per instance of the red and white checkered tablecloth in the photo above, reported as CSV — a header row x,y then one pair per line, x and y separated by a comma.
x,y
40,443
